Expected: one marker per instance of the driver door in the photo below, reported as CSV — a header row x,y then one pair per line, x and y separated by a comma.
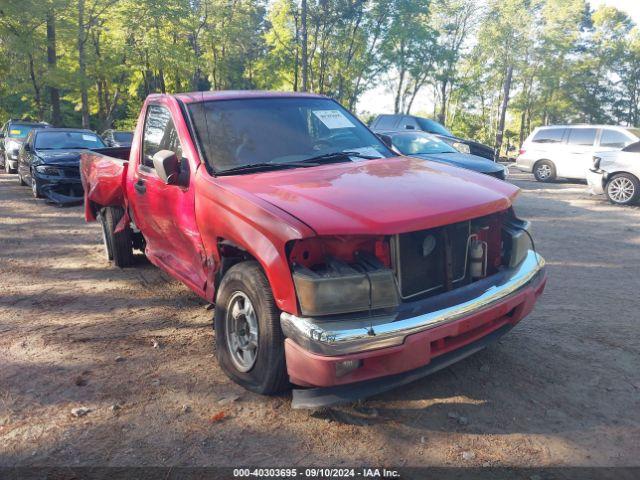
x,y
165,214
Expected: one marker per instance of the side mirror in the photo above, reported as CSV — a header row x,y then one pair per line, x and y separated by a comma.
x,y
167,166
386,139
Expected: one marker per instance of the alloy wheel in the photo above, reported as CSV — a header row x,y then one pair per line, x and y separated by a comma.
x,y
621,190
544,171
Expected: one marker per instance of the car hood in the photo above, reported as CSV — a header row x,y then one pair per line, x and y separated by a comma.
x,y
464,160
59,157
385,196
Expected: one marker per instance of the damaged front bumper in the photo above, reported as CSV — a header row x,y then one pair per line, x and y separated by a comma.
x,y
60,190
345,354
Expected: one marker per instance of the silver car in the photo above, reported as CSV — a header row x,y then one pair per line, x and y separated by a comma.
x,y
617,175
567,150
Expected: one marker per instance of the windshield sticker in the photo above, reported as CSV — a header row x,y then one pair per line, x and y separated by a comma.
x,y
368,151
89,138
15,132
333,119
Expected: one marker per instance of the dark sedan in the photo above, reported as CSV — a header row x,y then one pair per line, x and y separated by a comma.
x,y
429,147
49,161
410,122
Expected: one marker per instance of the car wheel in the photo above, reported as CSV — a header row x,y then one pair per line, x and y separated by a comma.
x,y
544,171
120,243
21,181
108,249
35,187
623,189
249,341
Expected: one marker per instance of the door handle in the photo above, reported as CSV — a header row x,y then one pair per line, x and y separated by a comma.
x,y
140,187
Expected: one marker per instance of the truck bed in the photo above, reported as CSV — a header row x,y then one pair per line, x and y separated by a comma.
x,y
103,172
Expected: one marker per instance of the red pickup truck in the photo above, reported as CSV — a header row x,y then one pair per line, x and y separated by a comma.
x,y
334,264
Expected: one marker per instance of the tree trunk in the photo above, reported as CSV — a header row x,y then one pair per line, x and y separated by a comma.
x,y
503,112
52,61
36,88
82,66
442,116
305,59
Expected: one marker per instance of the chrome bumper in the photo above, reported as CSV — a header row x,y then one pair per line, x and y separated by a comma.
x,y
349,335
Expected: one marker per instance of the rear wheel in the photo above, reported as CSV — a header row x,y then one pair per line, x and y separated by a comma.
x,y
249,341
623,189
544,171
119,244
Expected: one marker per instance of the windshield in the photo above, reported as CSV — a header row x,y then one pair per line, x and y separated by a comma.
x,y
432,126
237,133
418,143
67,140
123,136
20,131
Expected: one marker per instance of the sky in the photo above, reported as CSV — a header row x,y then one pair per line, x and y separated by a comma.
x,y
380,99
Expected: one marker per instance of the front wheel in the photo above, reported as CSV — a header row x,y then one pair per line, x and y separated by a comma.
x,y
623,189
249,341
35,187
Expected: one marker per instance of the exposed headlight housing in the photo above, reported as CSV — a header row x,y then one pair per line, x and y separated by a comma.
x,y
516,233
342,275
596,162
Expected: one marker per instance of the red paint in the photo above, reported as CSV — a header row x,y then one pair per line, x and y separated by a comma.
x,y
308,369
263,212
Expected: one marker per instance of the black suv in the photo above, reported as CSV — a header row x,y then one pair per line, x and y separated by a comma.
x,y
386,123
12,136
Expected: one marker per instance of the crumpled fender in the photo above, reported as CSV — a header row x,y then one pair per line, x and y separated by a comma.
x,y
103,179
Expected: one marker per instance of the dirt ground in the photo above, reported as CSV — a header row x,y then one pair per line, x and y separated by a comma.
x,y
136,348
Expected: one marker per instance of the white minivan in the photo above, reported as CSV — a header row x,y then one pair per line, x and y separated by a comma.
x,y
567,150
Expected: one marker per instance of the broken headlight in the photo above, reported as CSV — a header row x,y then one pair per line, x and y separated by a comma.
x,y
343,275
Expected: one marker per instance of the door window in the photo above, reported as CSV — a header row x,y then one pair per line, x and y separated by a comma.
x,y
549,135
159,134
614,139
582,136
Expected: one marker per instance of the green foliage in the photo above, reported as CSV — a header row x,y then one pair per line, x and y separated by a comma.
x,y
568,63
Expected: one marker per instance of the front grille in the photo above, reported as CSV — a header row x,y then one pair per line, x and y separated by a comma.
x,y
431,261
71,172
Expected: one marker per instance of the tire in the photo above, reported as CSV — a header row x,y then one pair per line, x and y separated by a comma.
x,y
21,180
544,171
260,368
119,243
106,238
622,189
35,188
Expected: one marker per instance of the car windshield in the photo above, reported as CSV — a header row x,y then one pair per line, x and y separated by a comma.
x,y
432,126
123,136
20,131
418,143
278,131
67,140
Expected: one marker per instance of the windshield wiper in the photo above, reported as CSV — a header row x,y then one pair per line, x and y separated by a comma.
x,y
260,167
332,156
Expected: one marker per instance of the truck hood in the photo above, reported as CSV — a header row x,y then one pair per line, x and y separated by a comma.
x,y
385,196
59,157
